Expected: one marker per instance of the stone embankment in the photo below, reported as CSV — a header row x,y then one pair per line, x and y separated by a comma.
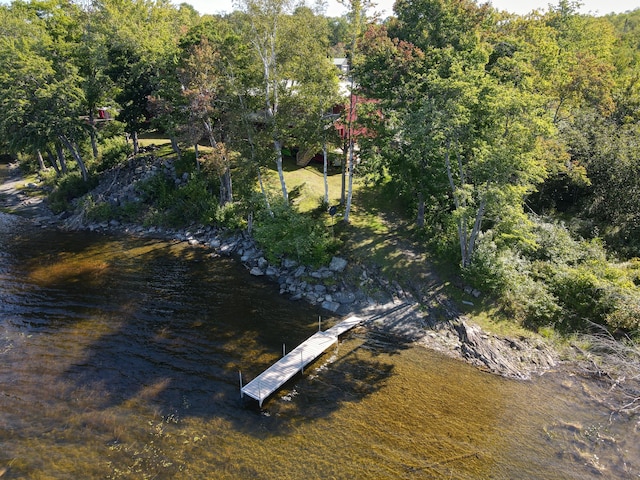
x,y
427,319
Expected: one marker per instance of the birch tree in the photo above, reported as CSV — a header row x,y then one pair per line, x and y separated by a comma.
x,y
291,55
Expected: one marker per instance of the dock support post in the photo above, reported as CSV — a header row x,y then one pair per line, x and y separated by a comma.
x,y
284,350
319,323
240,375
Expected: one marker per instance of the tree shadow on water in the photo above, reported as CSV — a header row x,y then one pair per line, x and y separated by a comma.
x,y
162,328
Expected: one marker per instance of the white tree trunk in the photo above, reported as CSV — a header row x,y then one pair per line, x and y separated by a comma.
x,y
76,156
40,159
278,148
324,173
347,209
474,233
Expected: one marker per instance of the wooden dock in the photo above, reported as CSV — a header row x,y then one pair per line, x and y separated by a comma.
x,y
280,372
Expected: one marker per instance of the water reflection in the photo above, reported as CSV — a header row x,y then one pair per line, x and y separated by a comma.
x,y
120,358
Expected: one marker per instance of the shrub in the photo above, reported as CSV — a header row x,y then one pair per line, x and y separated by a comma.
x,y
68,188
180,205
292,234
230,216
114,151
564,282
98,212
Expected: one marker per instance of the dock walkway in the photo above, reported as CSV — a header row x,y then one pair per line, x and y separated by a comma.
x,y
280,372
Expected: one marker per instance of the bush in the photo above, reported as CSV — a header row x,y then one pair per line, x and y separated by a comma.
x,y
230,216
564,282
104,211
67,188
114,151
294,235
182,205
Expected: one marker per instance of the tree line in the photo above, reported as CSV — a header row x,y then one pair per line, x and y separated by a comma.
x,y
512,139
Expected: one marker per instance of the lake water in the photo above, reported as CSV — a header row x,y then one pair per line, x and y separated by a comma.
x,y
119,359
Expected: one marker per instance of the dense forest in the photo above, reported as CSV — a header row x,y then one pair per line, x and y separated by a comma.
x,y
512,140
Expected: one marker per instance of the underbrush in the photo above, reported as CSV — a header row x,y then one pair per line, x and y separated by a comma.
x,y
284,231
67,188
562,282
174,205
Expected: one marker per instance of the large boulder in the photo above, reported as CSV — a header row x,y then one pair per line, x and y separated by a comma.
x,y
331,306
337,264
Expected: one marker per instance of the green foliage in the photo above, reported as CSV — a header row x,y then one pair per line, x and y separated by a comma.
x,y
114,152
289,233
177,206
564,282
230,215
105,211
68,188
98,212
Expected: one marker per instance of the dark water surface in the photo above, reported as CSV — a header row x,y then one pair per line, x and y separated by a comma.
x,y
119,358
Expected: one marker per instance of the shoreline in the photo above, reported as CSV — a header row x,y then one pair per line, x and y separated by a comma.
x,y
425,320
391,310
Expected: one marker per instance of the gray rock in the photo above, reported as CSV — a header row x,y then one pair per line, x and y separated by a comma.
x,y
331,306
257,272
300,271
227,248
344,298
288,263
337,264
271,271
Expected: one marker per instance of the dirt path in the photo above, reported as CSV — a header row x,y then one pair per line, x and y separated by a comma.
x,y
19,197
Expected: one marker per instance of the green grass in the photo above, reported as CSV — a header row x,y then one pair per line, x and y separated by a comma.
x,y
311,178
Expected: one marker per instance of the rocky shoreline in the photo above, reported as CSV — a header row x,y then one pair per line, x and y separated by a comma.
x,y
339,288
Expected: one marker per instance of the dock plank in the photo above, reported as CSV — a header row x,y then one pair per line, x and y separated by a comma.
x,y
265,384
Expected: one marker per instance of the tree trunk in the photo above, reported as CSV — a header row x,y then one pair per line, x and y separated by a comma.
x,y
76,155
176,148
324,173
40,159
264,192
61,159
92,134
52,161
226,192
343,166
136,145
352,162
462,222
474,233
278,148
421,206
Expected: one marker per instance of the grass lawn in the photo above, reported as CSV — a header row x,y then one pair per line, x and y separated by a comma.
x,y
310,181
